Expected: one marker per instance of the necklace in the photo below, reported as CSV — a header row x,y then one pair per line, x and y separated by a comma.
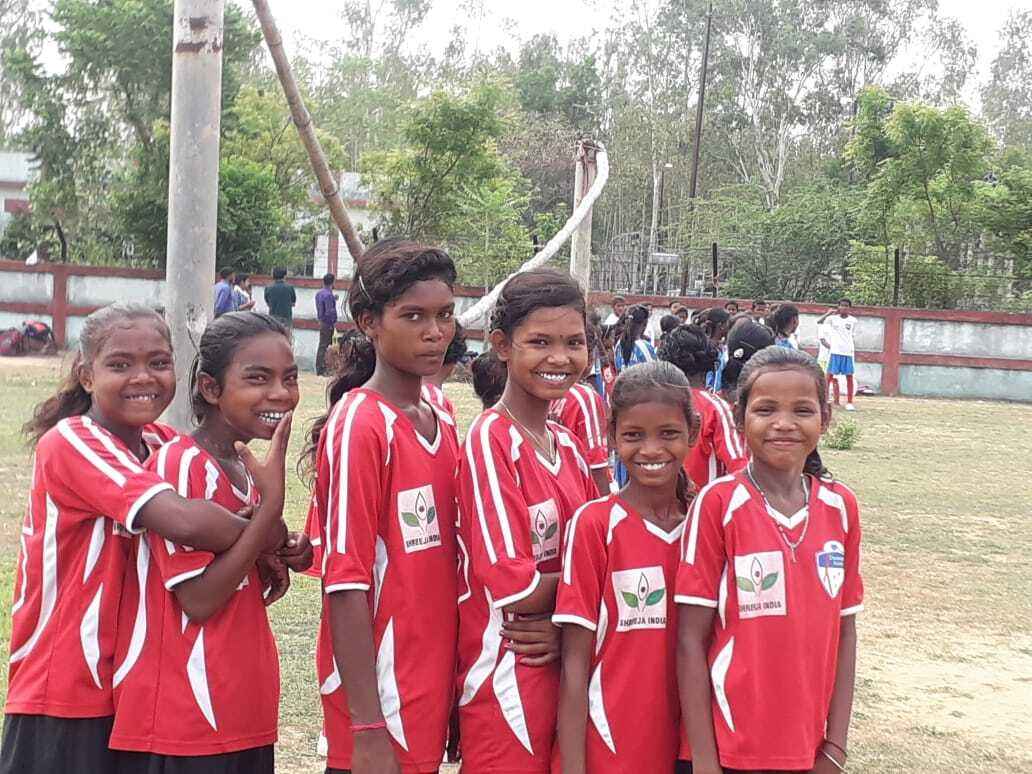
x,y
792,546
546,444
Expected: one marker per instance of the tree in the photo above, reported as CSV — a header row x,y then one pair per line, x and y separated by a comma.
x,y
922,192
448,182
19,30
1006,211
1007,97
92,128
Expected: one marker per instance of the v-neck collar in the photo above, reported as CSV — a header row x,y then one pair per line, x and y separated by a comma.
x,y
788,522
669,538
431,447
552,467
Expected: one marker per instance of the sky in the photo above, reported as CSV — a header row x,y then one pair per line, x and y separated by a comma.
x,y
507,22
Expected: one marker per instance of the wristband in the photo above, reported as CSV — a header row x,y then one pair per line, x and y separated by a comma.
x,y
357,727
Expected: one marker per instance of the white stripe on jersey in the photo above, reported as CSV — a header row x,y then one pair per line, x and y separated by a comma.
x,y
331,431
64,427
727,423
591,427
490,642
563,436
597,709
49,596
95,547
718,675
387,683
140,623
487,459
571,531
105,440
197,674
88,638
342,491
507,691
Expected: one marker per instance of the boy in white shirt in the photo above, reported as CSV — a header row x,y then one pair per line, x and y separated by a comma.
x,y
837,327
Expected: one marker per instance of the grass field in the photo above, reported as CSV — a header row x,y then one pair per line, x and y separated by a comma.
x,y
945,664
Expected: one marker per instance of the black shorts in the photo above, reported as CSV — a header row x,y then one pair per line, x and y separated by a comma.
x,y
41,744
258,760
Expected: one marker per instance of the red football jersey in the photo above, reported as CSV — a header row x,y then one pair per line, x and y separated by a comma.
x,y
87,488
385,499
183,688
514,506
583,413
776,633
435,396
618,580
720,448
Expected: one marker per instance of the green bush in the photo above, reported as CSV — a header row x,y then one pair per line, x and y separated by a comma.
x,y
843,434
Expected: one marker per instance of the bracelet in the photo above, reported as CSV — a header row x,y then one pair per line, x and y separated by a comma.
x,y
838,747
368,726
834,762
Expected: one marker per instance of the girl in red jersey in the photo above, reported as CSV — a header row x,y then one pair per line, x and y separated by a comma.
x,y
521,479
197,690
618,709
720,448
769,584
384,510
90,492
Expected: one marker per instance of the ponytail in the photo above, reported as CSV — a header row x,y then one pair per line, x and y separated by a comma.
x,y
685,489
357,363
70,400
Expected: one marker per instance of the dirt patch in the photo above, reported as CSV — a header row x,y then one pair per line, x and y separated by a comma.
x,y
982,690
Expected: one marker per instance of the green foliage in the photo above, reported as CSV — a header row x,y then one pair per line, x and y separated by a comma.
x,y
843,434
449,183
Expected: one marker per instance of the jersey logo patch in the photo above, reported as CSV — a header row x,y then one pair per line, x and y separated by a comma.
x,y
417,516
641,601
760,579
831,567
544,530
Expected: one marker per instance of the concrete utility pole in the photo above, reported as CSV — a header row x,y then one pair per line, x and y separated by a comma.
x,y
193,184
580,247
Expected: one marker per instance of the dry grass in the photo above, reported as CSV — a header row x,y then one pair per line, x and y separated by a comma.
x,y
945,668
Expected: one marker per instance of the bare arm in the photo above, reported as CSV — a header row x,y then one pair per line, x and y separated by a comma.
x,y
198,523
694,631
601,478
841,708
573,697
205,595
351,630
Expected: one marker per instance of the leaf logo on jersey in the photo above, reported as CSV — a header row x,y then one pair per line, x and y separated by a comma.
x,y
640,595
417,517
760,580
544,530
831,567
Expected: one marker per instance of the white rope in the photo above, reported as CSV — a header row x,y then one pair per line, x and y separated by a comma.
x,y
480,309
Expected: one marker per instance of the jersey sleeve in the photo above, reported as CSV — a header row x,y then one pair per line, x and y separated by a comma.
x,y
579,595
702,553
727,441
587,418
501,552
357,451
312,529
853,585
91,472
182,466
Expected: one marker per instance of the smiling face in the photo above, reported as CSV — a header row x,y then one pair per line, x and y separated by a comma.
x,y
258,387
784,418
131,379
653,439
414,330
547,352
